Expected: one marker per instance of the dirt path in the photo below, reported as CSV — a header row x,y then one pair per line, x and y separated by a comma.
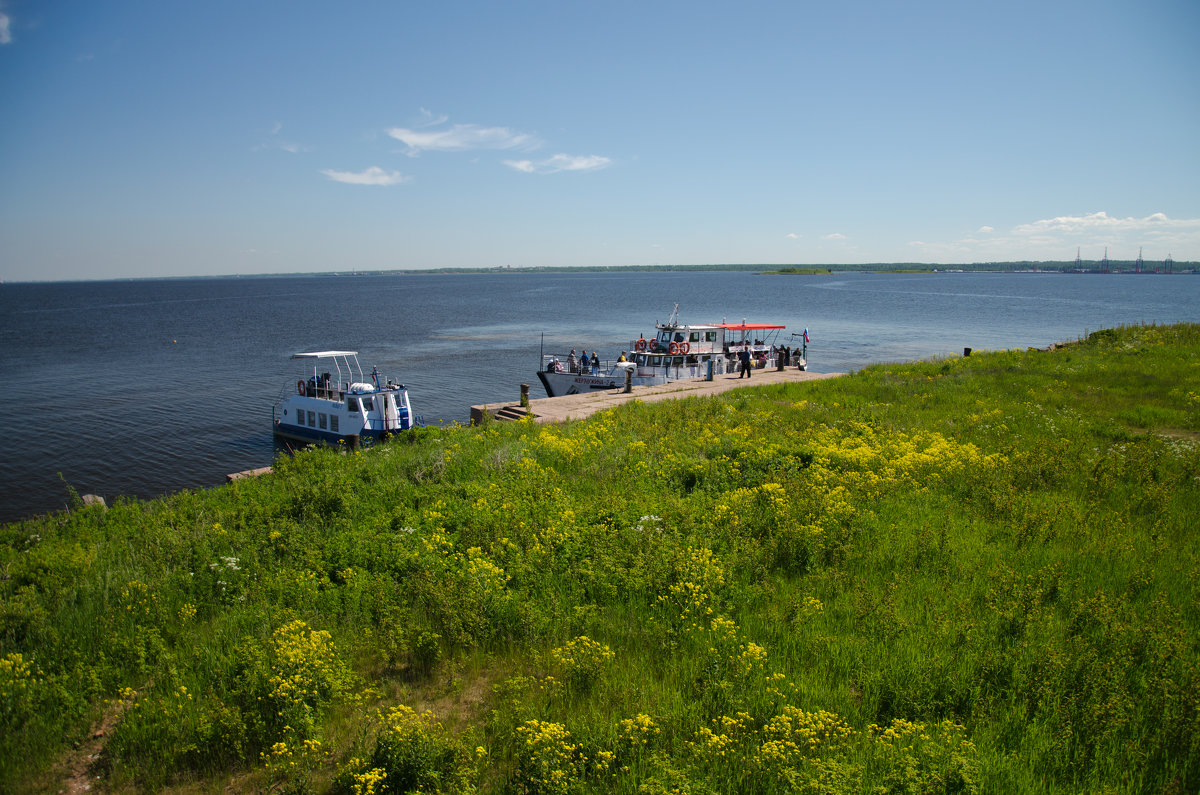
x,y
76,767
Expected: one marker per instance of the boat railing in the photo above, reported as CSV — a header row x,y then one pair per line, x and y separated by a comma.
x,y
326,390
554,363
330,390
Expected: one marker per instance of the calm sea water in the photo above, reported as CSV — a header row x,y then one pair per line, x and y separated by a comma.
x,y
141,388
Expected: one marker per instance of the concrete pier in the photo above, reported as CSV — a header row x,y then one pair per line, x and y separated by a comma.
x,y
247,473
576,407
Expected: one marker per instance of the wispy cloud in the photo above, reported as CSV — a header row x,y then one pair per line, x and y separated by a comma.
x,y
428,119
462,138
275,142
434,133
793,236
5,29
371,176
1058,238
1103,222
1053,237
556,163
834,236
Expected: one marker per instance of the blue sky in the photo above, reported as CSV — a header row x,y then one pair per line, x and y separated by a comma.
x,y
168,138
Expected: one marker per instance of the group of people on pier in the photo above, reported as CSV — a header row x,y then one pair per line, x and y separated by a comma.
x,y
746,356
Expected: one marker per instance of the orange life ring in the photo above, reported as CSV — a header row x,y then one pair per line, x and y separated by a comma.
x,y
641,345
301,388
684,347
673,347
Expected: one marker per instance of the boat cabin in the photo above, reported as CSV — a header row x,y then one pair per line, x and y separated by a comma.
x,y
337,403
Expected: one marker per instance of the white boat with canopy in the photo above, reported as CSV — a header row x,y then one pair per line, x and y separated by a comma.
x,y
333,402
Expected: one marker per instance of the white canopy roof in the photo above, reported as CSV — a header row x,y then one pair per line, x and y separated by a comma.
x,y
323,354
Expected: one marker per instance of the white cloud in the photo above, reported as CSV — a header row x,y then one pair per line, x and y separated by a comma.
x,y
793,235
433,133
1101,221
1058,238
834,236
5,30
521,165
557,163
371,176
462,138
1123,235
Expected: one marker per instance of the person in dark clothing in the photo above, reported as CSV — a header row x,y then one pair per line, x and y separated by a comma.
x,y
744,358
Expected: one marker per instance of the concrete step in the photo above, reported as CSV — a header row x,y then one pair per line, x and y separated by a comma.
x,y
512,413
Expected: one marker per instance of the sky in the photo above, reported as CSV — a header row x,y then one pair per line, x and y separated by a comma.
x,y
158,138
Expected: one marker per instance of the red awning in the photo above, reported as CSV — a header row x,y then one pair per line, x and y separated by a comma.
x,y
747,326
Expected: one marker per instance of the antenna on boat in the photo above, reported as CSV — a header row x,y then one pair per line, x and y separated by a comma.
x,y
674,319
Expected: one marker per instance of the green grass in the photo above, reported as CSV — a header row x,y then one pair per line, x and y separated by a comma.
x,y
975,575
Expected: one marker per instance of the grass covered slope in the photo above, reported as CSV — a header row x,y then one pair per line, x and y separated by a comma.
x,y
976,574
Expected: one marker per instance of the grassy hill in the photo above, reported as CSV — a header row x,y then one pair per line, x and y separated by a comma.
x,y
976,574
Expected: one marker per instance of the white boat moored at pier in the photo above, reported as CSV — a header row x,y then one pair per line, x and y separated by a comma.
x,y
342,405
676,351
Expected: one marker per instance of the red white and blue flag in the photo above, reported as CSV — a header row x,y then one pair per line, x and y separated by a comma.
x,y
806,334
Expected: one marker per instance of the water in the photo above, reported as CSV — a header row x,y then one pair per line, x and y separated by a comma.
x,y
148,387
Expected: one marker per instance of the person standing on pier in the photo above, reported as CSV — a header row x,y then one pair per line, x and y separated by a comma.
x,y
744,358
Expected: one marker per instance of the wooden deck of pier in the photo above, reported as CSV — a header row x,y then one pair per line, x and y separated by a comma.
x,y
575,407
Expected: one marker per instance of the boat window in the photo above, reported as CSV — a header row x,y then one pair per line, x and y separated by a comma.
x,y
333,423
299,417
694,336
312,419
368,404
323,418
677,361
710,336
352,404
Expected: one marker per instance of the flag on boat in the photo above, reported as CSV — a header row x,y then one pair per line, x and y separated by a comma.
x,y
806,333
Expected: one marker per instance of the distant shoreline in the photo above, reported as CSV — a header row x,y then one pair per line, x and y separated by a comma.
x,y
1113,267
